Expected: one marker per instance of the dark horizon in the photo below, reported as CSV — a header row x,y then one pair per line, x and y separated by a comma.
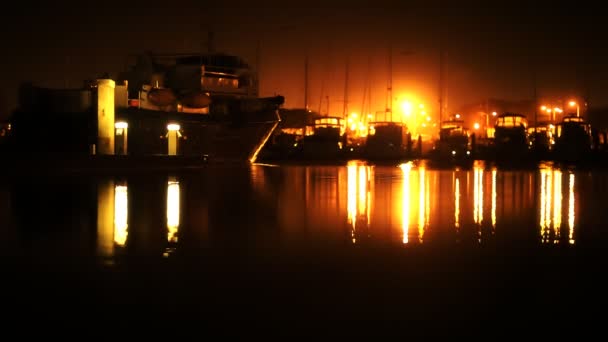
x,y
492,52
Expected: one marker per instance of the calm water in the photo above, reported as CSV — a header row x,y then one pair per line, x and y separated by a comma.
x,y
355,243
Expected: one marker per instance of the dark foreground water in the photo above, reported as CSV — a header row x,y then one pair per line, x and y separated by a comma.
x,y
306,250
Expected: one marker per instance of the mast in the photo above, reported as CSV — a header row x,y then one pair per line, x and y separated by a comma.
x,y
389,87
306,83
345,108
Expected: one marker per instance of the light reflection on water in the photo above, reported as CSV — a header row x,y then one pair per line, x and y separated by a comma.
x,y
405,205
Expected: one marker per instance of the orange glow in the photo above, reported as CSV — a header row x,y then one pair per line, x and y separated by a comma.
x,y
405,204
543,107
571,209
476,125
572,103
457,203
478,195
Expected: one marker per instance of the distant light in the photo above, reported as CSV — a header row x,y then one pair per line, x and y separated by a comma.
x,y
453,153
121,125
572,103
457,116
468,152
476,125
421,106
428,118
494,113
543,107
173,127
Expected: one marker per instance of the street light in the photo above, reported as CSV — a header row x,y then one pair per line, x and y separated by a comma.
x,y
574,103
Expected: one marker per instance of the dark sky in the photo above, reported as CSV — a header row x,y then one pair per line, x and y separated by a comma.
x,y
493,51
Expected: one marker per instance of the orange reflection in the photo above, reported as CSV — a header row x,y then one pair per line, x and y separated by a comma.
x,y
457,204
493,199
571,208
172,210
478,195
121,214
358,195
405,204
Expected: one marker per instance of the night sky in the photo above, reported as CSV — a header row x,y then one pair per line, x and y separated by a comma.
x,y
493,52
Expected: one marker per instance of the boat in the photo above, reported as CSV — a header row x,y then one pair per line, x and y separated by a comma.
x,y
387,141
183,106
510,138
574,141
326,141
453,146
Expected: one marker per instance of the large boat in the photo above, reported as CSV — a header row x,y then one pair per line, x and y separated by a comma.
x,y
198,106
453,145
573,139
387,141
511,138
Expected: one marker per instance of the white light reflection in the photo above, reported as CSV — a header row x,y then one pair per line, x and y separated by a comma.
x,y
172,210
571,208
405,209
121,214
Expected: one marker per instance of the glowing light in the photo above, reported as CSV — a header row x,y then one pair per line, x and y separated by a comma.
x,y
121,214
494,199
172,210
421,106
572,103
121,125
453,152
543,107
478,195
351,205
571,209
173,127
476,125
428,118
457,204
407,107
405,204
557,201
494,113
457,116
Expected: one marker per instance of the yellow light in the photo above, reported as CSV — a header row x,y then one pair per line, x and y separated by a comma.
x,y
457,116
423,112
172,210
405,204
556,109
121,125
353,114
121,214
428,118
173,127
571,209
494,113
543,107
476,125
572,103
421,106
548,110
407,107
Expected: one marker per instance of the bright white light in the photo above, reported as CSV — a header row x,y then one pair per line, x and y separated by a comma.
x,y
121,125
173,127
454,153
